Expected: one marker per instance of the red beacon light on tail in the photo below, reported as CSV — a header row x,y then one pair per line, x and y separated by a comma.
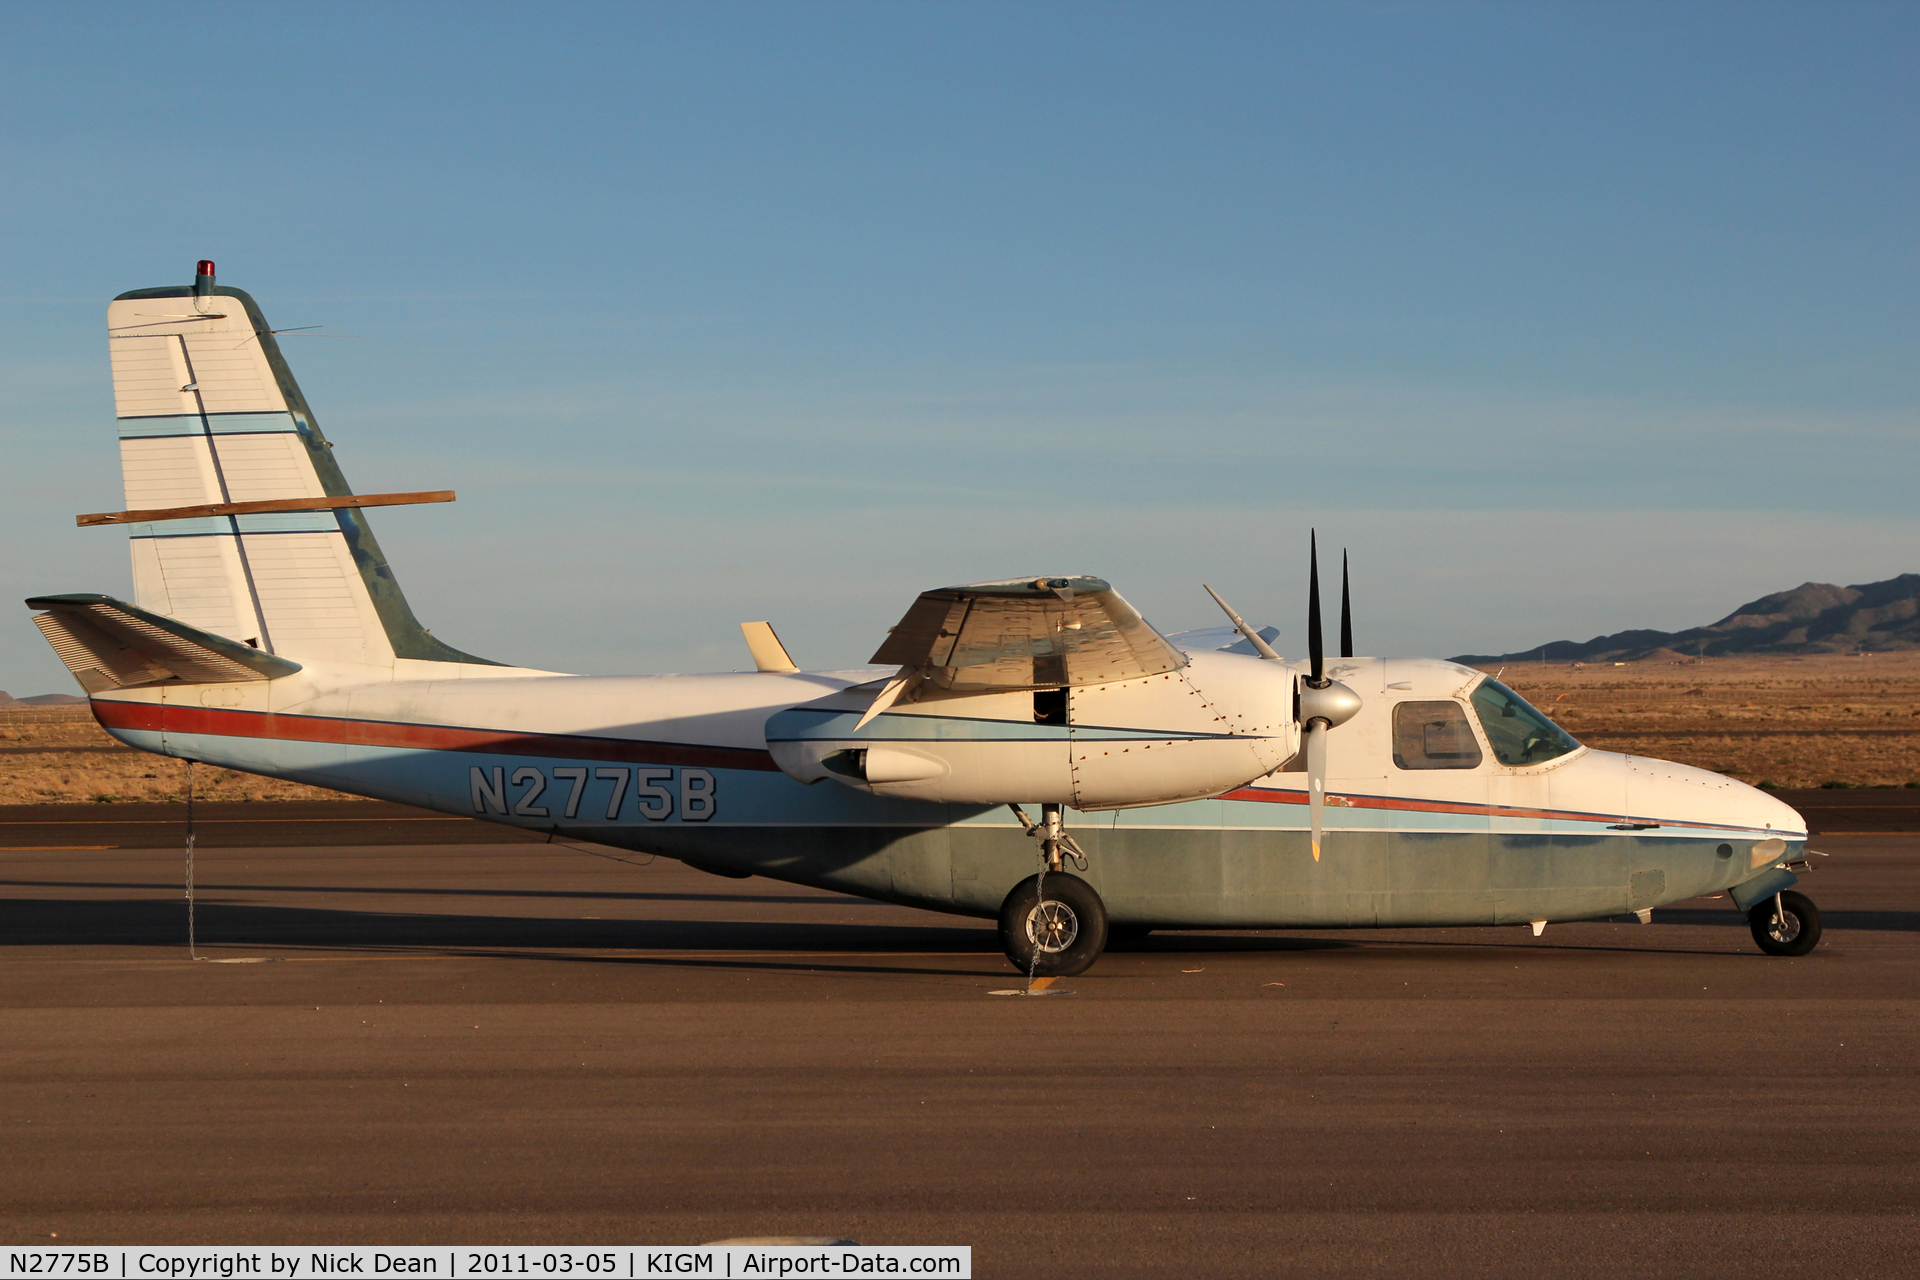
x,y
203,277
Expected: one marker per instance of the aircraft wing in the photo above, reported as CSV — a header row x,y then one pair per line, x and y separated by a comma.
x,y
110,644
1027,633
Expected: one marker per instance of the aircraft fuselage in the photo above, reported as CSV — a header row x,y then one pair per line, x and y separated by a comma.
x,y
679,766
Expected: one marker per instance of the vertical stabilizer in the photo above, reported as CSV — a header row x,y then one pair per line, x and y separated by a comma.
x,y
210,413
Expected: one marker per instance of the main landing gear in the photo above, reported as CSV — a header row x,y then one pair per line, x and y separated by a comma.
x,y
1053,924
1787,924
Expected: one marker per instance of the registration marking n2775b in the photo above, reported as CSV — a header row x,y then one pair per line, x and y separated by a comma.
x,y
686,795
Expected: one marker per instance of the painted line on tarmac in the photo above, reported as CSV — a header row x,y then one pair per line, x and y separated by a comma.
x,y
1038,987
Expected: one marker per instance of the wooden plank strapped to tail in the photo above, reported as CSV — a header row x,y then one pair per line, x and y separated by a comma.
x,y
270,504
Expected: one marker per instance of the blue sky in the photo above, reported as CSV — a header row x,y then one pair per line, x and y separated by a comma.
x,y
1565,318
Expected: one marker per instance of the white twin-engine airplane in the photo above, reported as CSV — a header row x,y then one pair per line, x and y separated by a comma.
x,y
1199,781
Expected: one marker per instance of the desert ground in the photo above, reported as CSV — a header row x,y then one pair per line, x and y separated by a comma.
x,y
54,755
1783,722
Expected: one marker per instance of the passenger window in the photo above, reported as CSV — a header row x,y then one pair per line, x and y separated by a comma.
x,y
1433,735
1049,706
1518,733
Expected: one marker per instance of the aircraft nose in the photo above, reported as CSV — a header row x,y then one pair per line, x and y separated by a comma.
x,y
1782,816
1661,789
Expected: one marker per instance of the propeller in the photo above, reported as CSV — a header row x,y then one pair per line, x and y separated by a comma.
x,y
1346,610
1316,648
1324,703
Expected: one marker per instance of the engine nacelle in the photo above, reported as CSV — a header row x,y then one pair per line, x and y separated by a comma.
x,y
1216,724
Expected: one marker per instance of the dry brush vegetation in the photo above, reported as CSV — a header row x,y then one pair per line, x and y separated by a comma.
x,y
60,756
1790,722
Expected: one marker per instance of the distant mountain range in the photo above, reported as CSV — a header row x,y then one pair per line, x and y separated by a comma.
x,y
39,700
1814,617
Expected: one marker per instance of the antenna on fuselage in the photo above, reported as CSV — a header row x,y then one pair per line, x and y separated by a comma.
x,y
1254,638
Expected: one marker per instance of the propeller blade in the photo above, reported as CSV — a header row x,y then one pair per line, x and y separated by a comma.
x,y
1316,779
1254,638
1316,654
1346,611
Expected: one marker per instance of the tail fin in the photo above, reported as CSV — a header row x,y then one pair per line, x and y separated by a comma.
x,y
210,413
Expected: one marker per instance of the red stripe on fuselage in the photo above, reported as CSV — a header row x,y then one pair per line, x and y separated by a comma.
x,y
419,737
1265,795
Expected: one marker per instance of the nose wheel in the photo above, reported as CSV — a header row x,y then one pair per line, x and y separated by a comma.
x,y
1053,925
1787,924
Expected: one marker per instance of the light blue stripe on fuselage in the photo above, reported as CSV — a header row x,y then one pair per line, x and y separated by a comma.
x,y
443,780
192,424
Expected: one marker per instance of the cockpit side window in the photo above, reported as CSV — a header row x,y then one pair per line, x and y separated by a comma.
x,y
1433,735
1518,733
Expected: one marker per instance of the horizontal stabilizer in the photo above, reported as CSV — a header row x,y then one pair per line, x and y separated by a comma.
x,y
110,644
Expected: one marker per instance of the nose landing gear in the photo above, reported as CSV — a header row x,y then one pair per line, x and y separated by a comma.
x,y
1787,924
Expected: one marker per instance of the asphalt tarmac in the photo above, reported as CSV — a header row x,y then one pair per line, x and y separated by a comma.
x,y
398,1039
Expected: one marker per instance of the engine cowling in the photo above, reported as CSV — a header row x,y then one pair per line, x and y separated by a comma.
x,y
1216,724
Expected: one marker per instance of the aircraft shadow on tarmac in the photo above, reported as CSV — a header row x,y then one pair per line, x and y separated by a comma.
x,y
598,896
136,922
160,922
1871,921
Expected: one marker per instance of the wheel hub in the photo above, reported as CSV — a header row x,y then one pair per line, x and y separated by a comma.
x,y
1052,927
1784,927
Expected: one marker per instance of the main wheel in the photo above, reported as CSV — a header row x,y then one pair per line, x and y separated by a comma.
x,y
1057,936
1793,931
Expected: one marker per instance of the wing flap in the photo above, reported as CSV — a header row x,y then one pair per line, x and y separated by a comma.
x,y
1027,633
109,644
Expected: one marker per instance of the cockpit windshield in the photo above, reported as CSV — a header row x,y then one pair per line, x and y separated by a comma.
x,y
1517,733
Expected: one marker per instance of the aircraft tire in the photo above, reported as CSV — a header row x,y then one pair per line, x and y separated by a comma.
x,y
1802,932
1072,911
